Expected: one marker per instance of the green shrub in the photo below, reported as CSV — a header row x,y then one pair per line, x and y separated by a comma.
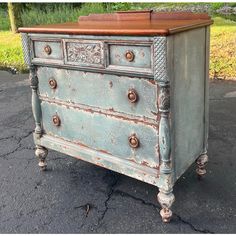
x,y
4,20
62,12
59,14
217,5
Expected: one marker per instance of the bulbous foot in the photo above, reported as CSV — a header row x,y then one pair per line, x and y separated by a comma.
x,y
166,215
201,165
166,199
41,153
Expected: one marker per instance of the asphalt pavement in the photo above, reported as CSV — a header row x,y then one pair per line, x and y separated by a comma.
x,y
73,196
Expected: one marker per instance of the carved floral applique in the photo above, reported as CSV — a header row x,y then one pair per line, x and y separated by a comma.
x,y
86,53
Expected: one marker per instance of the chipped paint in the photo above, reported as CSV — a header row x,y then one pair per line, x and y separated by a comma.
x,y
111,139
83,91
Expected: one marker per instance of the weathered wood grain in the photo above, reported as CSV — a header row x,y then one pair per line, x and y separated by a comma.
x,y
188,98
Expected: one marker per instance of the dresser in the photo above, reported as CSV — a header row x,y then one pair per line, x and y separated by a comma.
x,y
127,91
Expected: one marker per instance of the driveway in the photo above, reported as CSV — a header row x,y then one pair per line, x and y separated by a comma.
x,y
77,197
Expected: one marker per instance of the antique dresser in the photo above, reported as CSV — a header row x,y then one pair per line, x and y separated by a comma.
x,y
127,91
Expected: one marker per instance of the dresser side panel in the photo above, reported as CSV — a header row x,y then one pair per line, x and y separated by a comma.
x,y
188,89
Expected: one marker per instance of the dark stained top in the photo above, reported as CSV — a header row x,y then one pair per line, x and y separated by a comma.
x,y
143,23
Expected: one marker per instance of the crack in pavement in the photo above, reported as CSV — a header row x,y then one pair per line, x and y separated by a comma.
x,y
111,190
109,195
19,145
9,137
21,122
124,194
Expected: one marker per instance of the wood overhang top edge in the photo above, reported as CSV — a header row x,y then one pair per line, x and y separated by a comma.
x,y
141,23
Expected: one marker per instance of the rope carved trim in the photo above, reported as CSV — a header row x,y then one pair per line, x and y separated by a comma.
x,y
26,48
160,59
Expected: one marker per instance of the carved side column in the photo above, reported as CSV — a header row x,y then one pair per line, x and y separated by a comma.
x,y
40,152
165,196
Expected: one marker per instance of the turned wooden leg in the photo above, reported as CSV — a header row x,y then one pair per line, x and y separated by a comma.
x,y
201,165
166,199
41,153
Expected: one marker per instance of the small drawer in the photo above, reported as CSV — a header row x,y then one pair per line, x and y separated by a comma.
x,y
47,51
130,57
123,94
121,138
85,53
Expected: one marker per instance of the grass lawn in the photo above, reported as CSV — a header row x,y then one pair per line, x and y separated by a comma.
x,y
223,49
222,56
11,54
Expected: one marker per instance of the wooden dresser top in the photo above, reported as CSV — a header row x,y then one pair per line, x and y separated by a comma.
x,y
143,23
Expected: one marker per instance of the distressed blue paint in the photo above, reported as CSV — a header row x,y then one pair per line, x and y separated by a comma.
x,y
164,139
56,53
179,61
36,108
36,111
124,166
189,101
102,132
105,38
142,56
100,90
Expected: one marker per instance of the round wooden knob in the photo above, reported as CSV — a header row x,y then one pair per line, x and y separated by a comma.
x,y
133,141
56,120
48,49
52,83
129,55
132,96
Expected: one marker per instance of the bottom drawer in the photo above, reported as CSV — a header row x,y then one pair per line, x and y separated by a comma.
x,y
103,133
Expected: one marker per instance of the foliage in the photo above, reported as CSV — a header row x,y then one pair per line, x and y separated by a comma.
x,y
223,32
59,13
4,20
217,5
223,49
11,51
49,6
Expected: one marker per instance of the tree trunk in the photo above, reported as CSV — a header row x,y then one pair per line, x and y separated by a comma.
x,y
14,16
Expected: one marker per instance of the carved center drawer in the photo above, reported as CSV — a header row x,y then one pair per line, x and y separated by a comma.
x,y
84,53
119,137
134,96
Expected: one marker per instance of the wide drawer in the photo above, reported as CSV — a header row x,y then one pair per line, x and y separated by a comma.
x,y
47,51
133,96
103,133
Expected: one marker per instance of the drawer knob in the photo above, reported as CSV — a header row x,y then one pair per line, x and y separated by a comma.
x,y
56,120
52,83
129,55
133,141
132,95
48,49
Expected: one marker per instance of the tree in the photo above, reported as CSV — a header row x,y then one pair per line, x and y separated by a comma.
x,y
14,11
